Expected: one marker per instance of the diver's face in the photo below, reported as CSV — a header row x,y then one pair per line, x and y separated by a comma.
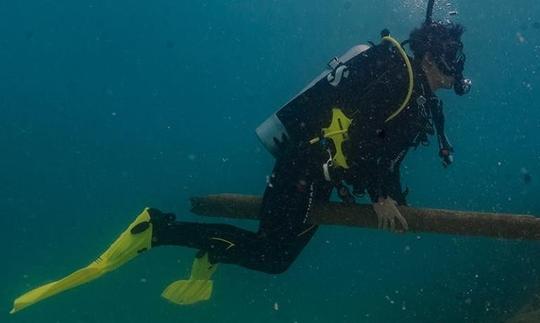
x,y
446,81
437,79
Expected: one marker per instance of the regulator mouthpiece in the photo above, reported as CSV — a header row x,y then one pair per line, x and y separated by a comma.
x,y
462,86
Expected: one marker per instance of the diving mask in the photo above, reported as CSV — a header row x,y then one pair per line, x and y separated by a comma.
x,y
451,61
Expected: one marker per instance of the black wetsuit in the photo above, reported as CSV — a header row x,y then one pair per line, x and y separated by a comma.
x,y
284,227
369,94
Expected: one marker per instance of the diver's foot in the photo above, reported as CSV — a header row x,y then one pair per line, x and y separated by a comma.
x,y
160,221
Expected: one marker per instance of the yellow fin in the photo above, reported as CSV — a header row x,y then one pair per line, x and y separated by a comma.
x,y
128,245
185,292
195,289
202,269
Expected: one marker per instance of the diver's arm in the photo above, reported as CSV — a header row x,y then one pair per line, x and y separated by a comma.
x,y
385,179
385,192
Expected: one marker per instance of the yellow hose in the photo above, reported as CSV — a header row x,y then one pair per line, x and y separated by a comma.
x,y
409,71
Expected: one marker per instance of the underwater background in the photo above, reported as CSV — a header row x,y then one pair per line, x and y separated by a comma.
x,y
111,106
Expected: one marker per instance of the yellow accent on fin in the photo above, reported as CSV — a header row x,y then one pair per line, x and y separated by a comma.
x,y
126,247
338,133
197,288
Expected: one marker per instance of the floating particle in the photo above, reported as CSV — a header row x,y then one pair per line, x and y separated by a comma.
x,y
143,280
391,301
520,37
276,306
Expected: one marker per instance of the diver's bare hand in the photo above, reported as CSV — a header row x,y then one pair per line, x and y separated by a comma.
x,y
387,213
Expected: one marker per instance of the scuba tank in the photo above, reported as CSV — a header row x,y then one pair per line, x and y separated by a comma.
x,y
321,111
293,118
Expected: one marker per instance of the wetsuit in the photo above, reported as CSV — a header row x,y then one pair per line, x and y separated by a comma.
x,y
369,94
284,229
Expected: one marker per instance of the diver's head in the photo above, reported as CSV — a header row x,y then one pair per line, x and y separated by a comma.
x,y
438,47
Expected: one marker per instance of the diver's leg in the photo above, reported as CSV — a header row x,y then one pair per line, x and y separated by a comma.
x,y
207,236
228,244
286,209
284,231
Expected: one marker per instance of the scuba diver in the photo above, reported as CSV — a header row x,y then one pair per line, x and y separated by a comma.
x,y
350,128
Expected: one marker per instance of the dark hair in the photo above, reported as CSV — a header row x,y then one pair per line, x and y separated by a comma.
x,y
430,37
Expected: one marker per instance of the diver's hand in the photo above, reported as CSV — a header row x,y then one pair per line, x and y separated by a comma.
x,y
387,212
